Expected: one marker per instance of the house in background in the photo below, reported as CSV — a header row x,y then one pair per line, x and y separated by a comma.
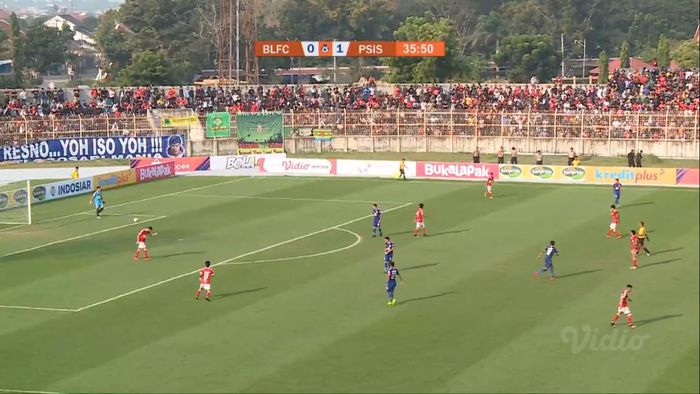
x,y
81,35
84,42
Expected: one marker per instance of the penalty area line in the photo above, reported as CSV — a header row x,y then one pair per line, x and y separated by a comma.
x,y
82,236
29,391
36,308
337,226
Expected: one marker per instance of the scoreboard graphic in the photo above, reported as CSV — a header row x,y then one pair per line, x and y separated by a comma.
x,y
349,48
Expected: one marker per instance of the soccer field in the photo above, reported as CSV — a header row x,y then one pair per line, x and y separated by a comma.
x,y
299,302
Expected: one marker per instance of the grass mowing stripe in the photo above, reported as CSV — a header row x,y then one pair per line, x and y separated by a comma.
x,y
147,199
81,236
231,259
293,199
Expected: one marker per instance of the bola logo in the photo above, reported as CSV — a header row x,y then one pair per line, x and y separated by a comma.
x,y
575,173
542,172
511,171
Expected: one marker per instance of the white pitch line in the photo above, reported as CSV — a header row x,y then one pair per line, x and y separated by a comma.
x,y
81,236
292,199
146,199
358,239
28,391
12,228
36,308
232,259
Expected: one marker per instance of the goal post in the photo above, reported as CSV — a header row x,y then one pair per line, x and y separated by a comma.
x,y
16,203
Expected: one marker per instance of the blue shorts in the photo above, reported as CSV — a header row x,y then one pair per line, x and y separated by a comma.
x,y
376,224
547,263
390,285
388,257
99,204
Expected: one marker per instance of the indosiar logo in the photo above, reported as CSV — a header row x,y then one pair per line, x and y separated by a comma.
x,y
4,199
510,171
575,173
542,172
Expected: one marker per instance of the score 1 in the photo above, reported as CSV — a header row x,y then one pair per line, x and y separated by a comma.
x,y
340,48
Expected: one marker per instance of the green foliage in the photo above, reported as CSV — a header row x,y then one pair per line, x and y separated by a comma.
x,y
685,53
625,55
663,52
526,56
644,29
171,26
16,49
44,49
148,67
427,69
603,61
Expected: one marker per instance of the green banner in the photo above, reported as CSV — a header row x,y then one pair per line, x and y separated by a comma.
x,y
219,125
260,133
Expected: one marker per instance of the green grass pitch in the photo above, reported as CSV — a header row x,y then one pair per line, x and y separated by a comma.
x,y
299,305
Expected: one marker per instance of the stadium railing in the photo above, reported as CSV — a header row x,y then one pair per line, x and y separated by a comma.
x,y
641,126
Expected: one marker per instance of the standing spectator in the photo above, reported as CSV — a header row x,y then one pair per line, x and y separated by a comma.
x,y
638,159
630,158
513,156
572,154
539,159
476,156
501,156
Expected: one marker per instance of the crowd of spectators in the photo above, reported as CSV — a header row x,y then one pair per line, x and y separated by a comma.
x,y
647,91
632,104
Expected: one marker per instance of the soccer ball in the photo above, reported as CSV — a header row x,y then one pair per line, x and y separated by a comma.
x,y
136,220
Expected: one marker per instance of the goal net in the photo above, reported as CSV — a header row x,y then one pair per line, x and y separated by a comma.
x,y
15,203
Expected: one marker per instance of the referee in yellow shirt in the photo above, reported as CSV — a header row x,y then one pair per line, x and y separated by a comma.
x,y
402,169
642,236
75,174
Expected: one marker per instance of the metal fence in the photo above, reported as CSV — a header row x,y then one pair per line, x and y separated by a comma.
x,y
667,126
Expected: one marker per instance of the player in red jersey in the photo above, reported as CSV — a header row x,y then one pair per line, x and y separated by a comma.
x,y
634,248
205,275
141,243
623,308
420,224
614,222
489,186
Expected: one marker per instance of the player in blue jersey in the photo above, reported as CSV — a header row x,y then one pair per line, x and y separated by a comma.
x,y
376,221
391,276
617,191
549,252
388,253
98,201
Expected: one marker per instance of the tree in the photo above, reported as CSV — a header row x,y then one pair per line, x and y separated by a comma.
x,y
663,52
603,61
172,26
147,68
45,48
625,55
525,56
16,49
427,69
686,54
